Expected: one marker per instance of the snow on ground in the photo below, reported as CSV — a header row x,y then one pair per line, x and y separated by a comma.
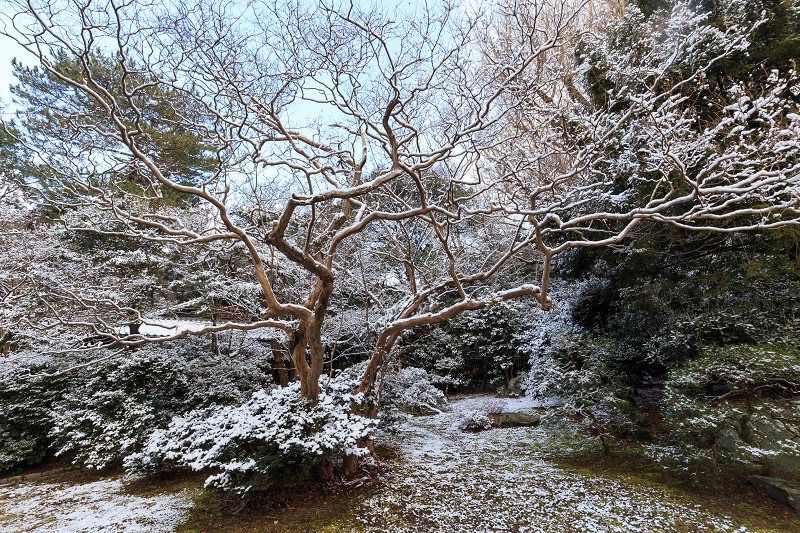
x,y
510,405
500,480
97,507
444,481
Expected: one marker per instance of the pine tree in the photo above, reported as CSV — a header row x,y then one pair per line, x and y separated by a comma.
x,y
48,116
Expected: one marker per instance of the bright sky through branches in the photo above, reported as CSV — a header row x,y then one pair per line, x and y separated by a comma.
x,y
8,51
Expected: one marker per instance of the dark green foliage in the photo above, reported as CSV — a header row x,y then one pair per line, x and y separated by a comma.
x,y
98,415
573,368
648,7
685,312
739,371
735,408
475,349
664,302
47,100
10,152
593,306
25,418
435,349
774,45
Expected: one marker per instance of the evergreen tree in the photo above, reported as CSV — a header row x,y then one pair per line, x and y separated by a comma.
x,y
155,113
773,44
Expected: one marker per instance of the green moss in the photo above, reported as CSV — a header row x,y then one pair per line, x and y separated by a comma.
x,y
165,484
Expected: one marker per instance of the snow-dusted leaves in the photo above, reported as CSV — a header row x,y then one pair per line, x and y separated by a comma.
x,y
276,432
410,389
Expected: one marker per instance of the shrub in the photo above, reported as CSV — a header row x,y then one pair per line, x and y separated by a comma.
x,y
738,370
475,416
275,435
493,337
411,390
436,349
25,414
714,413
100,414
110,409
572,373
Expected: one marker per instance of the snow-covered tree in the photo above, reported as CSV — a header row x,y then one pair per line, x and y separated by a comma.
x,y
340,132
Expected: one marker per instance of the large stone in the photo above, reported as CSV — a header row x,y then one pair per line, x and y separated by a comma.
x,y
729,441
512,390
786,492
768,433
780,441
507,420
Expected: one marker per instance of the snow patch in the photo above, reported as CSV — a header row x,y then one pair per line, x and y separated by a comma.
x,y
97,507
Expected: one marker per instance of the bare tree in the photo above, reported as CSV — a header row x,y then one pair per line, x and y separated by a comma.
x,y
341,133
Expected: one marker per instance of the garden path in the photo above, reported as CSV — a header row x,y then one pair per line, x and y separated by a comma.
x,y
446,480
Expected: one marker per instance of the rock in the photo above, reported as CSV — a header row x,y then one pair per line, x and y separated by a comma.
x,y
780,441
784,463
769,433
507,420
729,440
762,441
512,390
786,492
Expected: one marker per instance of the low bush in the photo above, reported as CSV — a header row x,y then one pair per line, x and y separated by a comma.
x,y
275,436
474,350
411,390
475,417
98,415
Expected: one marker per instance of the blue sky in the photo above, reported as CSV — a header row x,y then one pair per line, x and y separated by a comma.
x,y
8,51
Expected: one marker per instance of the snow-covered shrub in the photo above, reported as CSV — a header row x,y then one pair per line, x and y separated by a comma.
x,y
411,390
712,391
738,370
99,414
436,349
25,413
275,435
114,406
494,338
345,380
475,416
573,370
240,367
682,459
734,406
496,334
